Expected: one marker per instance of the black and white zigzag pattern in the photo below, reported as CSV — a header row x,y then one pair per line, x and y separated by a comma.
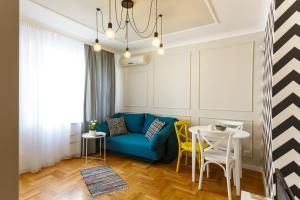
x,y
286,92
267,101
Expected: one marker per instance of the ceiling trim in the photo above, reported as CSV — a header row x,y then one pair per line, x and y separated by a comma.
x,y
71,19
227,35
49,28
207,2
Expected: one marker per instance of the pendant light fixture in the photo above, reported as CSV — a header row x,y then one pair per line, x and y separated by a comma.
x,y
123,22
161,49
96,45
156,41
127,53
109,33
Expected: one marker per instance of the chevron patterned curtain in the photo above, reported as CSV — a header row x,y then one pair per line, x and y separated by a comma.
x,y
267,102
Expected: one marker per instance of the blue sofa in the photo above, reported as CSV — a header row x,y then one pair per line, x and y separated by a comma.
x,y
162,147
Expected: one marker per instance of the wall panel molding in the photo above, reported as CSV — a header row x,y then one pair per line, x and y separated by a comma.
x,y
135,94
175,73
216,75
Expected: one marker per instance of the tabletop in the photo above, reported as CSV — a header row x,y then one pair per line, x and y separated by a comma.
x,y
98,135
238,134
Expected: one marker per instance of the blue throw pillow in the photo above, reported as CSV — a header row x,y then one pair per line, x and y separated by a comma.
x,y
134,122
150,118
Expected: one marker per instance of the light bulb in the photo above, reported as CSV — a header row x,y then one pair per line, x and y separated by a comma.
x,y
127,53
155,41
97,46
110,34
161,49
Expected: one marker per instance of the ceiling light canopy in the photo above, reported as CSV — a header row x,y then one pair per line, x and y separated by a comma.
x,y
124,22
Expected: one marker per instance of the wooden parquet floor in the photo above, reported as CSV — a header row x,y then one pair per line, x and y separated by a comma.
x,y
145,181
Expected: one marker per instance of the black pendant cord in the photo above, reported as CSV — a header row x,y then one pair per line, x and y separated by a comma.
x,y
143,36
101,20
156,15
127,30
149,19
97,29
109,11
120,27
119,23
161,27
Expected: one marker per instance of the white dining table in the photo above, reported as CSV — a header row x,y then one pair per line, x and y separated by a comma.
x,y
237,137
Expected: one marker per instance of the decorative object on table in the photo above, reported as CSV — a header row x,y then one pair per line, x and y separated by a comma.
x,y
87,136
117,126
231,124
220,127
184,142
102,180
154,128
92,127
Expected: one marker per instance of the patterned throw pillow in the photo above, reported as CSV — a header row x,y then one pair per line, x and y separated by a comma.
x,y
116,126
154,128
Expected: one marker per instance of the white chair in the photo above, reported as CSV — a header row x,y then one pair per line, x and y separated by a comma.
x,y
233,125
215,154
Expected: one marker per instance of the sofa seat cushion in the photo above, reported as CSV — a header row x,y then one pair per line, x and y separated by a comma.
x,y
134,144
150,118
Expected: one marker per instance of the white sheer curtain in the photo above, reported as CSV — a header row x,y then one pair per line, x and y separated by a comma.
x,y
51,95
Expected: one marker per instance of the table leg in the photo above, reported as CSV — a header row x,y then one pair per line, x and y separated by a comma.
x,y
237,150
100,146
193,156
82,148
86,141
104,148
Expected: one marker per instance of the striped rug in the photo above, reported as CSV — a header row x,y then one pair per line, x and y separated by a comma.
x,y
102,180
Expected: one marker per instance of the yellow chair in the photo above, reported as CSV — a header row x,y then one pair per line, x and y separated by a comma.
x,y
184,142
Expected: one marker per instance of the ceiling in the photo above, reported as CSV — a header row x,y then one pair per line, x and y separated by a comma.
x,y
184,21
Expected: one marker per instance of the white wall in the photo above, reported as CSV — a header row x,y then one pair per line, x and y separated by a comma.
x,y
203,82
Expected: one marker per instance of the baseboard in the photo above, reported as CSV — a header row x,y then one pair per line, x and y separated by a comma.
x,y
252,167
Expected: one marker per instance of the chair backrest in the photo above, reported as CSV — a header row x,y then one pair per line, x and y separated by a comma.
x,y
216,140
232,124
181,128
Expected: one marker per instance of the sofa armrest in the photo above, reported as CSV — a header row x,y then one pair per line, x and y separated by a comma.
x,y
161,137
103,127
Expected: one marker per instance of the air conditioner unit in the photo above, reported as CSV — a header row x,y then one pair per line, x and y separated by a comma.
x,y
134,60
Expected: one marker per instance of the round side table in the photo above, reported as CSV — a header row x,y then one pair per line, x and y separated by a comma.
x,y
99,135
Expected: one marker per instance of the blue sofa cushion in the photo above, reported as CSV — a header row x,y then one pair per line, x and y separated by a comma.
x,y
150,118
134,122
134,144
